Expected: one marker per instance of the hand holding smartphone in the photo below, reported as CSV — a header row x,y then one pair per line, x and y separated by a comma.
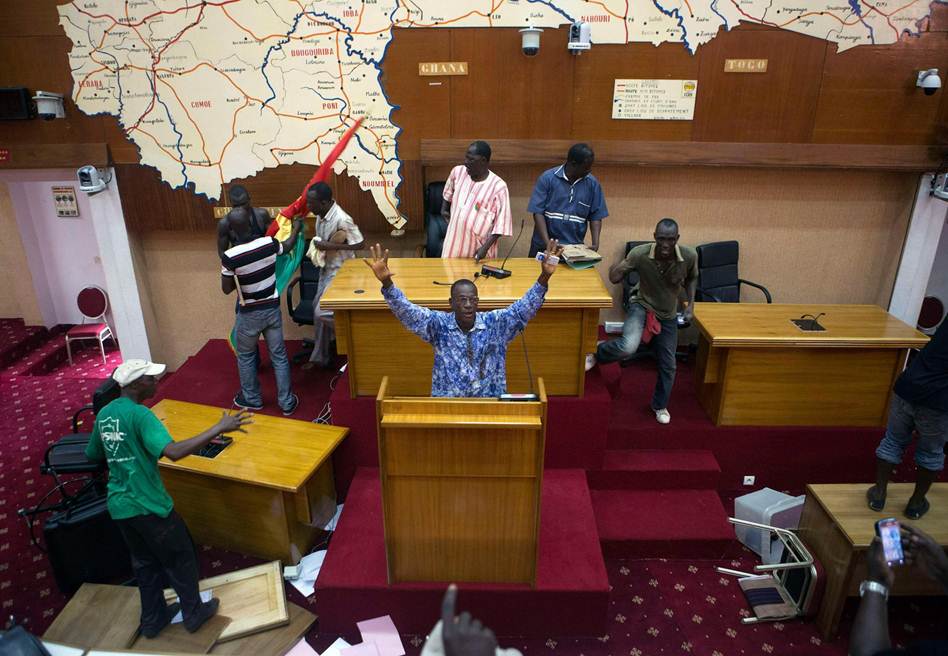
x,y
890,532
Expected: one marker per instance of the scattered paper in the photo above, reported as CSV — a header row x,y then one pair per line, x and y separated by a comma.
x,y
56,649
302,648
309,567
335,649
364,649
383,633
331,525
205,597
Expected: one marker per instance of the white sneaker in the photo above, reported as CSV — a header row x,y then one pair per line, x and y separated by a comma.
x,y
663,416
590,361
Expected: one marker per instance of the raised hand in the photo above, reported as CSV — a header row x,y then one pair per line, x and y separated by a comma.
x,y
553,249
230,423
463,635
378,262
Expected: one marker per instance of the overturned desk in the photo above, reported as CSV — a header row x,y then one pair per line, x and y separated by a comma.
x,y
757,367
377,345
266,494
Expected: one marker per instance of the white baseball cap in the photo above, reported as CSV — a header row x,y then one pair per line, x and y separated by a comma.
x,y
131,370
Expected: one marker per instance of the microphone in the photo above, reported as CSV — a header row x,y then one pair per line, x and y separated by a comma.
x,y
532,396
501,272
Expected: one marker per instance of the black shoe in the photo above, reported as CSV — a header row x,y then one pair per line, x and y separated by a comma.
x,y
876,502
240,403
170,612
916,512
293,406
207,611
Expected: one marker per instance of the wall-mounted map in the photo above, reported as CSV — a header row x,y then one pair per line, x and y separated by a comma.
x,y
213,90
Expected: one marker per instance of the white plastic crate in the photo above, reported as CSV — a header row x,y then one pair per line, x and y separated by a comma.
x,y
769,507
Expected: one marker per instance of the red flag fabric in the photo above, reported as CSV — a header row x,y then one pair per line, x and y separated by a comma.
x,y
298,206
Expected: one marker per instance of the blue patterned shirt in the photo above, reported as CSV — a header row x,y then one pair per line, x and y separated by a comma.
x,y
472,363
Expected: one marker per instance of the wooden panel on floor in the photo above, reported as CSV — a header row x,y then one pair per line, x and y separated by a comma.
x,y
102,616
253,599
274,642
175,638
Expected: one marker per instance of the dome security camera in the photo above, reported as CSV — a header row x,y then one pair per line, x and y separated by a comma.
x,y
929,81
531,40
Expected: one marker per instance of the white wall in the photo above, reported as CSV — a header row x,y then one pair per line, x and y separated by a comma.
x,y
66,254
938,281
63,254
918,254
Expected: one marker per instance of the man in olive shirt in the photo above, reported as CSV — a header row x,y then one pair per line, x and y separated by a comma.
x,y
131,439
664,269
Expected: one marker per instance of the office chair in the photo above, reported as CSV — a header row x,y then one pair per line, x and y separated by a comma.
x,y
435,225
717,274
302,311
68,456
782,591
629,285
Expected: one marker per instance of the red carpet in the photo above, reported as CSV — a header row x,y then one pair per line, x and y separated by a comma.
x,y
655,606
572,590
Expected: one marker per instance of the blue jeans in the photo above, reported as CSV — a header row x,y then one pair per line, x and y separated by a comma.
x,y
249,327
904,418
663,346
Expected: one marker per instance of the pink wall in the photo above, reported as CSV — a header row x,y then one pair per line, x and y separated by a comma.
x,y
63,253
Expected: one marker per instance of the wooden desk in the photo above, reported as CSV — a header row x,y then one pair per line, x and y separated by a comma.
x,y
377,345
755,367
263,495
837,527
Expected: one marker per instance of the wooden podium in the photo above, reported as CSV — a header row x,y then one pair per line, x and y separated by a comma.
x,y
461,487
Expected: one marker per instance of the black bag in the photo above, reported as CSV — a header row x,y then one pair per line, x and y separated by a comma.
x,y
85,546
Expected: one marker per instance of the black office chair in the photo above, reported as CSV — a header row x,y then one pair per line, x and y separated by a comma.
x,y
435,225
629,285
302,311
717,274
68,456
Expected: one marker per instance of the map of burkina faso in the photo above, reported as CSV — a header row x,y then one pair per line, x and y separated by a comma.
x,y
211,91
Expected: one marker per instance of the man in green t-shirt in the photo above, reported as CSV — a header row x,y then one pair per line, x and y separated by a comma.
x,y
665,269
131,439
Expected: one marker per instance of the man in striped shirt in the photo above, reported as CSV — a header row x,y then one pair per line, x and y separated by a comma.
x,y
476,207
250,268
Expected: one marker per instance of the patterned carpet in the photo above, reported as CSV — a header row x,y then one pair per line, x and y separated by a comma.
x,y
657,606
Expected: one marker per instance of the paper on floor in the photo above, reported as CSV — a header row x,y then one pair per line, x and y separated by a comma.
x,y
56,649
302,648
309,567
205,597
335,649
364,649
382,632
331,525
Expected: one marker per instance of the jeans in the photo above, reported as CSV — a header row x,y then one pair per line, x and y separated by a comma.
x,y
162,555
249,327
663,346
904,418
324,326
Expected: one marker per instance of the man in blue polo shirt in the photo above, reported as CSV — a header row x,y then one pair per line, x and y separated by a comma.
x,y
565,199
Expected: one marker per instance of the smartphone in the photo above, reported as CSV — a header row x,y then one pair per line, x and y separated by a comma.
x,y
890,532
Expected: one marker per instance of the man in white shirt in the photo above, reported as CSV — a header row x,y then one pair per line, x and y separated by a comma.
x,y
337,238
476,207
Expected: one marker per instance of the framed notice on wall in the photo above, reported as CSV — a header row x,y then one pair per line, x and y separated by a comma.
x,y
64,199
662,100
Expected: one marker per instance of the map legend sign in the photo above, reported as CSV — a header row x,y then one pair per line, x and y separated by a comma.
x,y
657,100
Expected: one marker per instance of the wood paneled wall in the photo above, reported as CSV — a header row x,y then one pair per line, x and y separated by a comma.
x,y
810,94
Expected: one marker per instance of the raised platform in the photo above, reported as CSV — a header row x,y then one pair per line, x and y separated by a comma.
x,y
571,597
575,435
